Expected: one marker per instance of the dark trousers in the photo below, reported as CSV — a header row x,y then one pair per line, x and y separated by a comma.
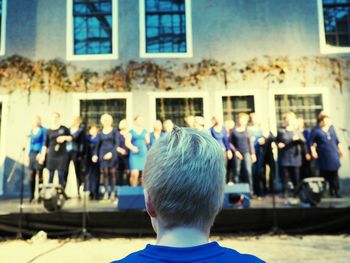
x,y
92,180
32,179
332,179
290,173
230,170
244,170
259,175
61,175
305,169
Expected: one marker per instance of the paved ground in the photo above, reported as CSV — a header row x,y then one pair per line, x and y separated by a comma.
x,y
270,248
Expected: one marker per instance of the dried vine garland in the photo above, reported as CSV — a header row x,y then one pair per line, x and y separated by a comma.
x,y
20,73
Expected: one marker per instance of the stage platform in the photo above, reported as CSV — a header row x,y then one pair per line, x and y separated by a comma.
x,y
331,216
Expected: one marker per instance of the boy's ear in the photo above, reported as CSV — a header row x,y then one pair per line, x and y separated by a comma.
x,y
149,205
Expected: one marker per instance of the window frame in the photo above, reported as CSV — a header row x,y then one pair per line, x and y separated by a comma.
x,y
103,96
3,28
70,36
324,92
144,54
324,47
153,96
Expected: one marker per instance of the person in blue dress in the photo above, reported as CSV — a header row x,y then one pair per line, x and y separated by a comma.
x,y
157,132
93,168
123,177
37,138
218,131
137,141
290,142
327,151
106,155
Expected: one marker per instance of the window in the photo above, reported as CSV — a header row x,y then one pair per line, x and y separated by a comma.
x,y
91,110
334,25
176,109
3,12
165,28
233,105
307,107
91,29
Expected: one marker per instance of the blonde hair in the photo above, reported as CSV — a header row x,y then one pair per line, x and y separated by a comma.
x,y
185,178
106,119
123,124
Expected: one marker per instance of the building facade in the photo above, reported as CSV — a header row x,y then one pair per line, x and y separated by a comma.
x,y
167,59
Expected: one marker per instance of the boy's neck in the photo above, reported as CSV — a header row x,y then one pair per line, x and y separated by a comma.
x,y
182,237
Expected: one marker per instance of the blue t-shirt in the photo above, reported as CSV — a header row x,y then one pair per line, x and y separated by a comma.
x,y
211,252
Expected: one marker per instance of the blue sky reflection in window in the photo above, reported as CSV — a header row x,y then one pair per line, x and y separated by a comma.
x,y
165,26
336,15
92,27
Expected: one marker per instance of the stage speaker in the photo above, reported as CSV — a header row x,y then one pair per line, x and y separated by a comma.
x,y
237,196
53,196
130,197
311,190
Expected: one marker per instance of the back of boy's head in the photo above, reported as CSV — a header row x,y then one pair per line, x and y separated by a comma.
x,y
185,178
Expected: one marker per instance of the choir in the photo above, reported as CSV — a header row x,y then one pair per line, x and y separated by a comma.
x,y
253,154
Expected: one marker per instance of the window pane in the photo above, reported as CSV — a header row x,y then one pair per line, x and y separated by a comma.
x,y
176,109
91,110
307,107
92,26
165,26
233,105
337,22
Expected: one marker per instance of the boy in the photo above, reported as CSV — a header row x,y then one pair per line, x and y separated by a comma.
x,y
184,181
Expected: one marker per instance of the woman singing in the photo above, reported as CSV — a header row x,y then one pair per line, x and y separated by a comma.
x,y
327,150
290,142
56,149
107,156
37,141
137,141
77,149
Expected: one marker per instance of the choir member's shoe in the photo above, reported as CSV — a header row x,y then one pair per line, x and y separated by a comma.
x,y
105,196
112,197
230,183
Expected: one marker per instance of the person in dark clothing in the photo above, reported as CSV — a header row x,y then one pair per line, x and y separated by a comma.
x,y
269,160
244,151
123,155
55,149
290,142
93,175
305,169
106,154
258,170
76,152
219,133
327,151
37,141
230,166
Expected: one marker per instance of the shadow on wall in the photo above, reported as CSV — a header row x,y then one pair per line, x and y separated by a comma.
x,y
12,179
